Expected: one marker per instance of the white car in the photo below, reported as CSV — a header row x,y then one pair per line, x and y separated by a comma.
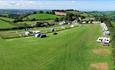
x,y
103,40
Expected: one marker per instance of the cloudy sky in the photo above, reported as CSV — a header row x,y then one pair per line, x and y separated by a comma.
x,y
58,4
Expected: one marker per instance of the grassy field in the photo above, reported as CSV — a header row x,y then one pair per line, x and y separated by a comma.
x,y
4,24
41,16
113,23
33,22
69,50
7,19
112,29
17,33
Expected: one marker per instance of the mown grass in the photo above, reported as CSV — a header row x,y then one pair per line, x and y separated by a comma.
x,y
41,17
69,50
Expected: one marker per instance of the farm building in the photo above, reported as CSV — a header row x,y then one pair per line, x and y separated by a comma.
x,y
60,13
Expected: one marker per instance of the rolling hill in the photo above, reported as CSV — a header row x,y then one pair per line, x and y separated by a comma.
x,y
4,24
41,17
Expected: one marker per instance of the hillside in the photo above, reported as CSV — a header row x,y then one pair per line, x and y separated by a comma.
x,y
4,24
41,17
6,19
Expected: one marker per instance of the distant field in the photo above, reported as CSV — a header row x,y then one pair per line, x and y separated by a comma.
x,y
42,16
33,22
16,33
4,24
69,50
7,19
79,13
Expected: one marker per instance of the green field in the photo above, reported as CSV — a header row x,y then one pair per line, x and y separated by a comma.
x,y
33,22
41,17
4,24
6,19
69,50
113,23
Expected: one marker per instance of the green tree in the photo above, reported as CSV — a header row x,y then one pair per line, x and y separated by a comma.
x,y
41,11
57,20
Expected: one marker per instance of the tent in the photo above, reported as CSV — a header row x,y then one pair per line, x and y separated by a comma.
x,y
72,26
26,33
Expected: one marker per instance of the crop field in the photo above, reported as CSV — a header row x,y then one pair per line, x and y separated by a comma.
x,y
41,17
4,24
71,49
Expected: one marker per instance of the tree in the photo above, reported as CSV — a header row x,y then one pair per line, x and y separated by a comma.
x,y
62,18
57,20
34,12
33,19
82,17
47,12
70,16
41,12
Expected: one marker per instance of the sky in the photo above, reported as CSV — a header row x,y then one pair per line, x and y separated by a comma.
x,y
83,5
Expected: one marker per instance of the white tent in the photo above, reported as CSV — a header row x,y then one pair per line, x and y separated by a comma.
x,y
72,26
27,33
62,27
35,31
61,23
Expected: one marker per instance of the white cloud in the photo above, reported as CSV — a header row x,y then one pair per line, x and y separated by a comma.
x,y
27,4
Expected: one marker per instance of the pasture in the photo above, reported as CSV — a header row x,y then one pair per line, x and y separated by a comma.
x,y
33,22
71,49
6,19
41,17
4,24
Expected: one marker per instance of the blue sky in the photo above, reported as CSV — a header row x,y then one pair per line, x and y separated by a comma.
x,y
100,5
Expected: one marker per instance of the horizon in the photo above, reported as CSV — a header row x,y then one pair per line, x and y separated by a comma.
x,y
82,5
